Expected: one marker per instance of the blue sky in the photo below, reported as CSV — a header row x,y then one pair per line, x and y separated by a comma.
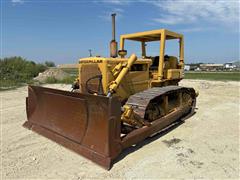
x,y
64,30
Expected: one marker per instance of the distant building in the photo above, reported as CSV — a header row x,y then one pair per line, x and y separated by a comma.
x,y
229,65
186,67
211,67
194,67
191,67
237,64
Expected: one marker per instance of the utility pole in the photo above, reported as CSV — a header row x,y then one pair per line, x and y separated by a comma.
x,y
90,53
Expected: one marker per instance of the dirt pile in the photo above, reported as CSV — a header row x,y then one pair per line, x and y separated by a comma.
x,y
55,73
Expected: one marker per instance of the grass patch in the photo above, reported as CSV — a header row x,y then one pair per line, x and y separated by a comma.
x,y
17,71
216,76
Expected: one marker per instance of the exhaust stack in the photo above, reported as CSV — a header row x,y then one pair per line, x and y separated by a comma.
x,y
113,43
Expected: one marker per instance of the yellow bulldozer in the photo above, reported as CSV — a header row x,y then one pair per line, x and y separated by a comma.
x,y
116,101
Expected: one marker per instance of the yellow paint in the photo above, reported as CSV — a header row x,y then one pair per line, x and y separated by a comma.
x,y
157,35
125,68
126,80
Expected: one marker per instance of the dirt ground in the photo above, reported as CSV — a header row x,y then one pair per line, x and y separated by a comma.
x,y
205,146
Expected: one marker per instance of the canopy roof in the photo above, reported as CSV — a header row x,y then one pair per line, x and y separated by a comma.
x,y
154,35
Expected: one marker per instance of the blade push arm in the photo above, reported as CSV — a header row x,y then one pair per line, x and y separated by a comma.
x,y
114,84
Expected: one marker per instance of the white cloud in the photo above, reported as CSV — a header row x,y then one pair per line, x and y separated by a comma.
x,y
173,12
169,19
183,11
118,10
195,29
114,6
117,2
17,1
107,15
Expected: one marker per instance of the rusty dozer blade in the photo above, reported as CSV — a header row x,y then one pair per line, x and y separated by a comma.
x,y
87,124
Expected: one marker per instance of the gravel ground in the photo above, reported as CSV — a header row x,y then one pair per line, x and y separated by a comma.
x,y
205,146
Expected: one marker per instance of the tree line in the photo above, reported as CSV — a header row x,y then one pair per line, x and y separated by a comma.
x,y
16,70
